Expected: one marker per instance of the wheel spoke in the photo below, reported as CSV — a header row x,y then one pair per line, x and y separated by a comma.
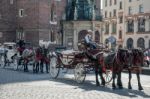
x,y
79,73
53,67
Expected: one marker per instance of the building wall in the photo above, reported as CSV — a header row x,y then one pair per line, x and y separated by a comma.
x,y
34,24
73,29
135,15
28,22
7,21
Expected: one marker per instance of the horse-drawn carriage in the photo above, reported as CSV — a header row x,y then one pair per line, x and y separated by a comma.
x,y
7,56
77,60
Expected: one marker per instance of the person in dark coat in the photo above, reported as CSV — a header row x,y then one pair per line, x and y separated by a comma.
x,y
45,58
21,44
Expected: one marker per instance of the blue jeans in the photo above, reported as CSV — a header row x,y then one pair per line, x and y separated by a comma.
x,y
92,45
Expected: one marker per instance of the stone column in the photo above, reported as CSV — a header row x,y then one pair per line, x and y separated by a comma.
x,y
135,26
75,39
75,13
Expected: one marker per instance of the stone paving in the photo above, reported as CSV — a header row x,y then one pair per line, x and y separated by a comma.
x,y
20,85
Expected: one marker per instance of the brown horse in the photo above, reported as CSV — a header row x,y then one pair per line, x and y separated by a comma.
x,y
136,56
120,62
95,56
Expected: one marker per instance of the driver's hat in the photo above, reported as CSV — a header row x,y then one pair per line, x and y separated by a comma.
x,y
90,32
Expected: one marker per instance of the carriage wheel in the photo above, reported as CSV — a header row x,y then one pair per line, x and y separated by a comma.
x,y
107,75
2,61
80,73
54,70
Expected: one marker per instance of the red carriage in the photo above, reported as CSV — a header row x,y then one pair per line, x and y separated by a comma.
x,y
77,60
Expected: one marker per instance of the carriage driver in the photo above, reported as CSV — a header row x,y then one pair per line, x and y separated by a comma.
x,y
88,40
21,44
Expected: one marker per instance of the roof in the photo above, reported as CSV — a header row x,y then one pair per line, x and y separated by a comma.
x,y
9,43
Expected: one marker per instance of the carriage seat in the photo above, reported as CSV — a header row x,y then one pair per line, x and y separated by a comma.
x,y
70,52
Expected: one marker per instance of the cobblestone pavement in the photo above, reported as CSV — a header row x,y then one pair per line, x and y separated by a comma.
x,y
20,85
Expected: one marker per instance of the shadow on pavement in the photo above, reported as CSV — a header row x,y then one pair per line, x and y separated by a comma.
x,y
10,76
88,86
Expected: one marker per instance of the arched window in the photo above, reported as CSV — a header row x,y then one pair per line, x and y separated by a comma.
x,y
82,34
141,43
141,25
97,37
130,43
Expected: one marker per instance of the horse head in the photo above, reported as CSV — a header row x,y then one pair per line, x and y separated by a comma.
x,y
123,56
138,56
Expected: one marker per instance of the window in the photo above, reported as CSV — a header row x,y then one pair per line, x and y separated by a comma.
x,y
105,14
130,11
120,34
141,25
21,12
105,3
120,19
114,26
107,28
141,43
141,10
114,12
120,5
115,2
110,2
11,1
130,43
97,37
130,0
130,26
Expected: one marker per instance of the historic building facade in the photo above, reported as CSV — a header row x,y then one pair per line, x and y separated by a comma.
x,y
31,20
39,19
128,21
7,21
81,15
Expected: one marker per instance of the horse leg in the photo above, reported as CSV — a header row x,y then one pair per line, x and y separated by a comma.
x,y
24,65
96,75
41,66
139,83
119,82
27,66
34,67
37,67
113,83
46,67
101,76
130,77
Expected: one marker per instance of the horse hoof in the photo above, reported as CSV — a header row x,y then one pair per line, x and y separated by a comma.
x,y
129,87
97,84
113,88
141,88
120,87
103,83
